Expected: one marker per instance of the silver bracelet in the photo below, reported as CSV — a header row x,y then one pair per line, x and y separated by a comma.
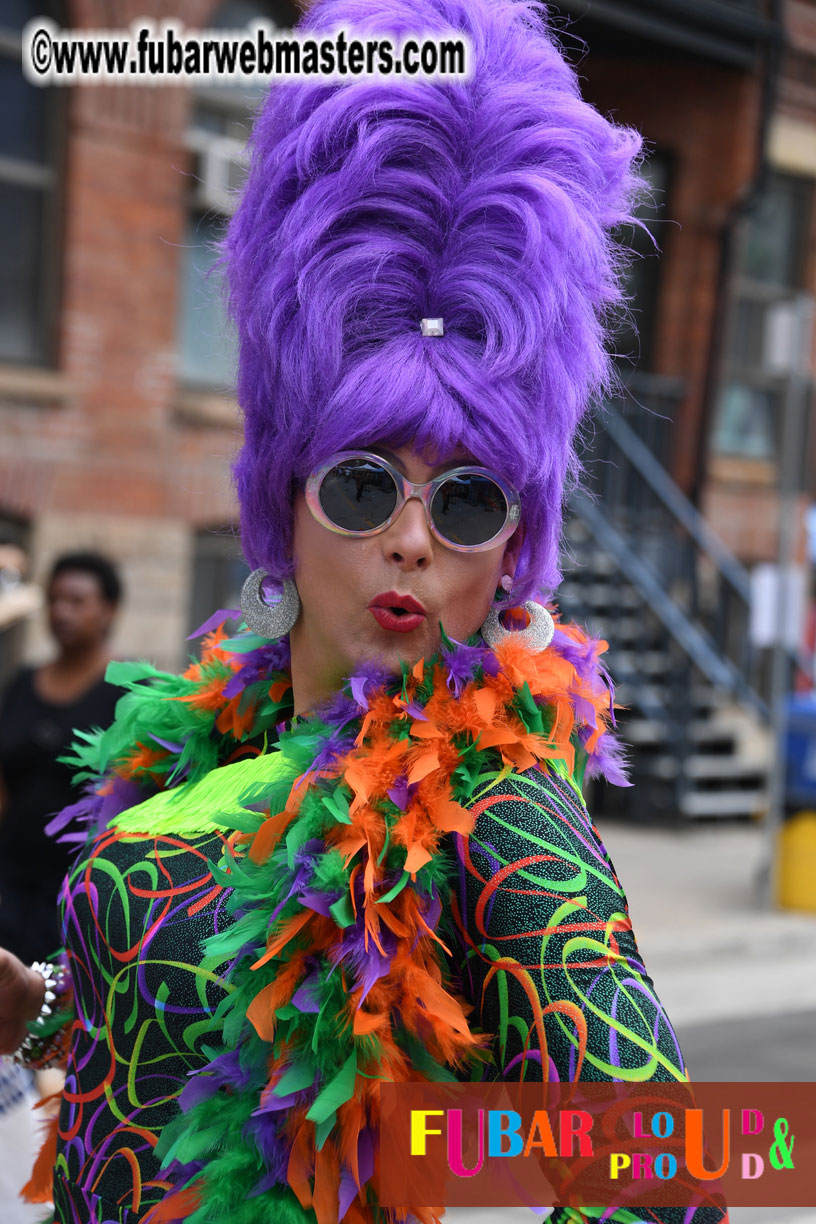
x,y
43,1046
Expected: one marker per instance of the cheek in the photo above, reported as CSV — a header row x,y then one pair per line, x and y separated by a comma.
x,y
93,616
470,584
326,565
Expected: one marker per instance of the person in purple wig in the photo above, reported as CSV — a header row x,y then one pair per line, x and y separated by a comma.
x,y
488,203
424,279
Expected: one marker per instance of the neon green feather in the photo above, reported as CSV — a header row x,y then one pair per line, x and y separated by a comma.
x,y
196,806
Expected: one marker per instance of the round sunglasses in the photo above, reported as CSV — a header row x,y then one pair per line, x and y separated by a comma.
x,y
468,508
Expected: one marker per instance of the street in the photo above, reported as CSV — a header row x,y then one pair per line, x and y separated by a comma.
x,y
770,1048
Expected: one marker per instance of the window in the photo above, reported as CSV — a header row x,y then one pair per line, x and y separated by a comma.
x,y
219,573
29,260
634,342
217,135
770,267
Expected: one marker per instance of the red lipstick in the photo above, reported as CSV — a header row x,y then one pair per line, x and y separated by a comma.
x,y
400,613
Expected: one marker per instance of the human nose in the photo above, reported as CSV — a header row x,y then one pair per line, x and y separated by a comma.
x,y
408,540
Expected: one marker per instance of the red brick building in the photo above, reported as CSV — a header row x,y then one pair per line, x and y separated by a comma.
x,y
728,104
116,431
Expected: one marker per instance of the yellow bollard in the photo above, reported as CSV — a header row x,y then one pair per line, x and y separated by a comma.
x,y
796,863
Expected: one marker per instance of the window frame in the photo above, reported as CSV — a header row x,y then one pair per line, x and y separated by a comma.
x,y
49,176
760,293
229,102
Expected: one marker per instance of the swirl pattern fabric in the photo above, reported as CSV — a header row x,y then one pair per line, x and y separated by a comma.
x,y
540,911
549,959
533,882
134,914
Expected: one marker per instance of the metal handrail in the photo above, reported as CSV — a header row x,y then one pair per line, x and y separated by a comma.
x,y
676,502
693,639
682,511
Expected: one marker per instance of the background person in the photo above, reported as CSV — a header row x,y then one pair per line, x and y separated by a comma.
x,y
39,712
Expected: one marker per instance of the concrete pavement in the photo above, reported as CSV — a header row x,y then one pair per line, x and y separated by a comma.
x,y
710,948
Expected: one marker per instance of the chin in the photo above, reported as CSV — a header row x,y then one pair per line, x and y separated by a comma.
x,y
393,654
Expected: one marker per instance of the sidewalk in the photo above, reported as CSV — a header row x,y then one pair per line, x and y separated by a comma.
x,y
711,950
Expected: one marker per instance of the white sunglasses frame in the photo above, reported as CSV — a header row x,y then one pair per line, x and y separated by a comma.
x,y
424,492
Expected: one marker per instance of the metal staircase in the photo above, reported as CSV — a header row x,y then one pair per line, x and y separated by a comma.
x,y
646,572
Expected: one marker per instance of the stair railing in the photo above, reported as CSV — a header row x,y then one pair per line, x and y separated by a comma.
x,y
682,569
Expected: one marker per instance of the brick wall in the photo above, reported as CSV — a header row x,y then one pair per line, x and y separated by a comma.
x,y
704,117
97,452
707,117
107,448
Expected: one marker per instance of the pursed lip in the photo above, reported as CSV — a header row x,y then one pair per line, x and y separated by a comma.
x,y
397,613
392,600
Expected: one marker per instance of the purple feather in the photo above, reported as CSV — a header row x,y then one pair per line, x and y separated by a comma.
x,y
339,710
213,622
179,1174
94,811
320,902
491,664
358,687
306,997
163,743
402,792
83,810
368,677
366,964
365,1155
225,1071
123,794
462,662
301,876
273,1146
346,1193
607,758
433,911
258,665
276,1104
337,745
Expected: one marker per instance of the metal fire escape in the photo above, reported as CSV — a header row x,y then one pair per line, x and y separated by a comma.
x,y
645,571
643,568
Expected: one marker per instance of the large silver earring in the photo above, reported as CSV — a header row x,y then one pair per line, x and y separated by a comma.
x,y
537,636
269,620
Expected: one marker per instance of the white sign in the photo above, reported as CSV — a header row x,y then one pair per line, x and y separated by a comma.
x,y
778,616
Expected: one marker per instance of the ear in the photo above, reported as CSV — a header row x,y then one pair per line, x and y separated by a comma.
x,y
110,615
511,551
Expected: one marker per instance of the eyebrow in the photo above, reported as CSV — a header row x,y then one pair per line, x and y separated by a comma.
x,y
447,466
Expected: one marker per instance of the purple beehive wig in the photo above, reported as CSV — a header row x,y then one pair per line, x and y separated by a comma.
x,y
489,202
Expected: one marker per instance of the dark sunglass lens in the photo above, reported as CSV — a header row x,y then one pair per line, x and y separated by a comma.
x,y
469,509
358,495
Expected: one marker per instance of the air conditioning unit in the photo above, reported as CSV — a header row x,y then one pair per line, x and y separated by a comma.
x,y
220,168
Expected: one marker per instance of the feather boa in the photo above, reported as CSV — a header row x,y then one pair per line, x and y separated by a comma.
x,y
336,976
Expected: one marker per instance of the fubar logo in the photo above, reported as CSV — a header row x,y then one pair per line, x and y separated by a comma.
x,y
633,1145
